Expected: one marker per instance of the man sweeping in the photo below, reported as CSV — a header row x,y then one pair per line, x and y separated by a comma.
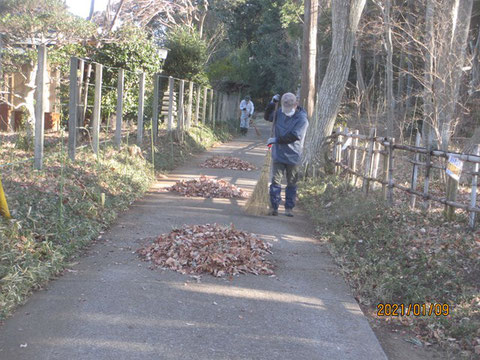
x,y
290,128
247,108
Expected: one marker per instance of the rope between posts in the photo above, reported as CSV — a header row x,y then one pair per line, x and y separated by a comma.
x,y
90,61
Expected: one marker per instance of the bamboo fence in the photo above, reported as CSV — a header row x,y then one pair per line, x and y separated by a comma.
x,y
377,168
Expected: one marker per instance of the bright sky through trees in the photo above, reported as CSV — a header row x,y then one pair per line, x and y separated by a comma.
x,y
82,7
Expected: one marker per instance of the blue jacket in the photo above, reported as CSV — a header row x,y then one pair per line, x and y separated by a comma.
x,y
290,133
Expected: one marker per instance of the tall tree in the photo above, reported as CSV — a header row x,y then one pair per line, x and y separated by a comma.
x,y
345,17
261,51
309,56
428,109
451,21
389,69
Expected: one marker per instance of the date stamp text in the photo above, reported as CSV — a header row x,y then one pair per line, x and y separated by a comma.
x,y
416,309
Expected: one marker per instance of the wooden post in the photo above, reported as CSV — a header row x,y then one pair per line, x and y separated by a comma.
x,y
214,107
204,108
118,126
72,108
237,111
452,190
376,163
338,145
347,150
141,105
210,109
413,185
334,151
81,65
197,105
170,103
181,113
391,159
40,105
189,106
156,95
385,177
97,108
83,99
428,166
10,97
219,106
225,107
353,158
473,196
367,172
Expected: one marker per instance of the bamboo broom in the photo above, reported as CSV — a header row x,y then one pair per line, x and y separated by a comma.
x,y
258,203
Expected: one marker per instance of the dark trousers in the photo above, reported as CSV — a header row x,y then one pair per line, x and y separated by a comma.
x,y
291,172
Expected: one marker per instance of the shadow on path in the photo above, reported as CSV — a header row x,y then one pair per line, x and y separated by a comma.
x,y
112,306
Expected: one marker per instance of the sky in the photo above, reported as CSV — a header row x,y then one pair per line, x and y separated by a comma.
x,y
82,7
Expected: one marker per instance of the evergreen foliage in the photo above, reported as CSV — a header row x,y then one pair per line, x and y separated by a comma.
x,y
187,55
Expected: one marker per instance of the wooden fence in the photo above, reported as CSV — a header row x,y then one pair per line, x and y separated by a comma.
x,y
184,104
377,166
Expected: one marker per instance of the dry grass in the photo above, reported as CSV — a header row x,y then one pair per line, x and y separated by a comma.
x,y
403,256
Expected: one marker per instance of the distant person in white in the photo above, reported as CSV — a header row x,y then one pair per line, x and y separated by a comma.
x,y
247,108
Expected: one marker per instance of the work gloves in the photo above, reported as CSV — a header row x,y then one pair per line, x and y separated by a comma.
x,y
271,141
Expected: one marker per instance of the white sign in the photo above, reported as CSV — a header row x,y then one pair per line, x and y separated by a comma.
x,y
454,167
347,144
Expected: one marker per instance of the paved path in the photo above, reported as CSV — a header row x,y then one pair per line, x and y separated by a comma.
x,y
112,306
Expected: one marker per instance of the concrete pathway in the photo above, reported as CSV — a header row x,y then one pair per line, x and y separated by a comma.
x,y
112,306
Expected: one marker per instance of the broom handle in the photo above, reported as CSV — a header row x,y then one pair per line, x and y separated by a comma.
x,y
272,131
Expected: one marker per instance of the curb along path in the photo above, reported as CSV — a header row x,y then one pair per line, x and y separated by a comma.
x,y
112,306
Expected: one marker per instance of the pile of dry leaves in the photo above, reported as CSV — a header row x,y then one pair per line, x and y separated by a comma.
x,y
227,162
212,249
208,188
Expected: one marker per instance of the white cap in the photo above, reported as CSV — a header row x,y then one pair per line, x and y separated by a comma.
x,y
289,102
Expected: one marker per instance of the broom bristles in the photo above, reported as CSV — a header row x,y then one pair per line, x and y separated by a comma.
x,y
258,203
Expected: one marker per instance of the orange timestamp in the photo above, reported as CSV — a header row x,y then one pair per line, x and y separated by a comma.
x,y
430,309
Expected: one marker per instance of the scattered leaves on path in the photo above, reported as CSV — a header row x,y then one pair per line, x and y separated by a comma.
x,y
227,162
208,188
212,249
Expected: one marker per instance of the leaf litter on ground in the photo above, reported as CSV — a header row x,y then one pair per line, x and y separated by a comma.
x,y
208,188
227,162
211,249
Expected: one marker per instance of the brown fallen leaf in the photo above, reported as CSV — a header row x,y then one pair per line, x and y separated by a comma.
x,y
227,162
212,249
208,188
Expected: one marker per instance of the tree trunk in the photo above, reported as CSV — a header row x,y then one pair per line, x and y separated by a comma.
x,y
362,96
117,13
400,84
92,8
409,75
359,69
475,80
428,109
309,58
320,66
345,18
305,50
312,57
389,47
452,34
